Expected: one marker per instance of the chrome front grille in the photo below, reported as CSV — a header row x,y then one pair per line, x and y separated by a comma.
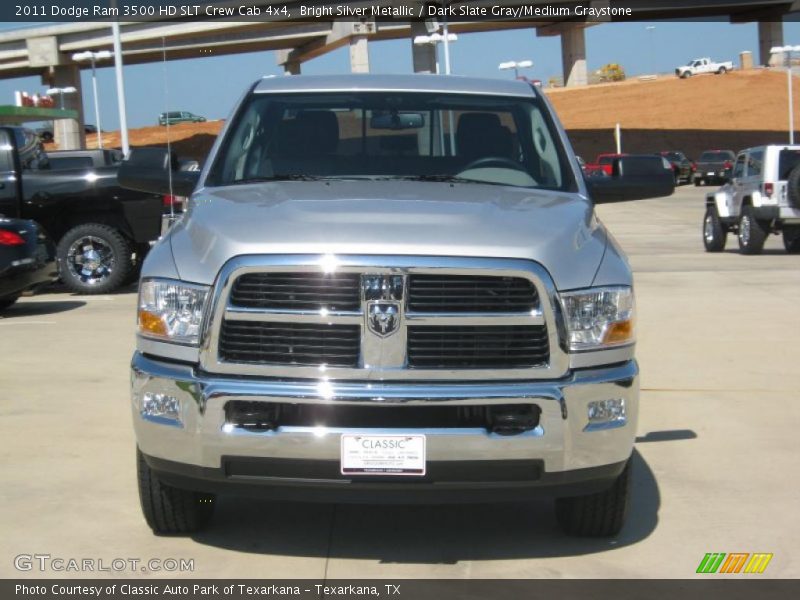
x,y
384,318
487,347
470,293
289,343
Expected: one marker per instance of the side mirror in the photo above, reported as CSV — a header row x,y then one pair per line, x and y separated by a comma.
x,y
156,171
633,178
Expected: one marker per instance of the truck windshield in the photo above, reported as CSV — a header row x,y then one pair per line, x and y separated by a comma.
x,y
377,135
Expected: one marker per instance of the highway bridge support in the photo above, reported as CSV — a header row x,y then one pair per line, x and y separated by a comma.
x,y
573,51
424,55
770,34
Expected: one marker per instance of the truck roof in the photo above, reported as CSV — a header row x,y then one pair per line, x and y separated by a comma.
x,y
395,83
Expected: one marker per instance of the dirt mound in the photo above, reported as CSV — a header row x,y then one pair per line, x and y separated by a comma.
x,y
736,110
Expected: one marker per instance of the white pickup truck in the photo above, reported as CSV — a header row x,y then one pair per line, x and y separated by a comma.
x,y
699,66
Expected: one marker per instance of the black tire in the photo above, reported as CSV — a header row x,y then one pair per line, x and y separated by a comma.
x,y
793,185
169,510
7,302
112,249
697,182
596,515
722,71
752,233
791,239
714,234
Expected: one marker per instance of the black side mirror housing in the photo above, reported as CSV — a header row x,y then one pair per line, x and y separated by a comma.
x,y
633,177
156,171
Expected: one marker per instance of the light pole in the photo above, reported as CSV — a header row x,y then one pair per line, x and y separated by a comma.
x,y
59,91
93,57
787,52
652,30
516,65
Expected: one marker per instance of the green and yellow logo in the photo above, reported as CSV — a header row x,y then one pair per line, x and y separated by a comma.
x,y
735,562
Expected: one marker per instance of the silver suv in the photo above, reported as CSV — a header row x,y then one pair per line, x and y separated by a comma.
x,y
388,289
761,196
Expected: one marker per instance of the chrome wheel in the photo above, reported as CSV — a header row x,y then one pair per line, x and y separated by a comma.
x,y
91,260
744,230
708,229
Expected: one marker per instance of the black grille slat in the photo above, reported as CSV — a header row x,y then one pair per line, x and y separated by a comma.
x,y
457,293
478,347
297,291
257,342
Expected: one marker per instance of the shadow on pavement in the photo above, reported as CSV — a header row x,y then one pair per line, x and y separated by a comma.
x,y
440,534
34,308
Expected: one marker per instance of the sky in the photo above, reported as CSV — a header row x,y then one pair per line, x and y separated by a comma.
x,y
210,86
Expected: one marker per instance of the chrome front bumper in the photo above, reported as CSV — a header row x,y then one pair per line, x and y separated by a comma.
x,y
563,441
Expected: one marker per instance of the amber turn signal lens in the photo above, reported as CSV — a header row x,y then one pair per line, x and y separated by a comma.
x,y
619,332
152,324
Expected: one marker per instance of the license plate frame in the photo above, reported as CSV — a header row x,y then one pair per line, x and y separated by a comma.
x,y
383,455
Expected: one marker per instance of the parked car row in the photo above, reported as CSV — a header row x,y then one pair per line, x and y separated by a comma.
x,y
682,167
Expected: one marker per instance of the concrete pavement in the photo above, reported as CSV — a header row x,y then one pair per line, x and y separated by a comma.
x,y
715,465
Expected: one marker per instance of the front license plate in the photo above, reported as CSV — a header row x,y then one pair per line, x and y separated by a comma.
x,y
711,174
383,454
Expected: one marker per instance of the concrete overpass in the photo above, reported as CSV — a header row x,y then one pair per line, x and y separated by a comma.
x,y
46,51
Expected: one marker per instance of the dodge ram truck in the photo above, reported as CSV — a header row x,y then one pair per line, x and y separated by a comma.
x,y
102,230
388,289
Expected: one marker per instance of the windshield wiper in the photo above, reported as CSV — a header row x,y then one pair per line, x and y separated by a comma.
x,y
280,177
442,177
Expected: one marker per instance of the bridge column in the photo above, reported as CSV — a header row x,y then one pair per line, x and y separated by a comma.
x,y
69,134
573,55
425,54
770,34
359,54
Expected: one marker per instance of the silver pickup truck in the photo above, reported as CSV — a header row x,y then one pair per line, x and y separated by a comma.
x,y
387,289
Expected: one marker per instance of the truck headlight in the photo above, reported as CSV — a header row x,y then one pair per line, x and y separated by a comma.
x,y
599,318
171,310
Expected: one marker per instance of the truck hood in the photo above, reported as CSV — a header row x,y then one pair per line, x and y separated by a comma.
x,y
557,230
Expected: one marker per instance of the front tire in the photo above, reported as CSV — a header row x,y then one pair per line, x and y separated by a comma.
x,y
169,510
94,259
722,71
714,234
791,239
597,515
752,234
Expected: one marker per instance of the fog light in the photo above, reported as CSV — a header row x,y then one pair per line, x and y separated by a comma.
x,y
161,408
606,414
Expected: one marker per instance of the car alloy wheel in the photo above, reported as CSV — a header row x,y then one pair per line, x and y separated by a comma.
x,y
91,260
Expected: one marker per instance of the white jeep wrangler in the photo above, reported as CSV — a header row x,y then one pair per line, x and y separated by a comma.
x,y
761,196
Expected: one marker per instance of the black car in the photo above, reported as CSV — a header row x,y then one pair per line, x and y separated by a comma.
x,y
27,259
714,166
682,167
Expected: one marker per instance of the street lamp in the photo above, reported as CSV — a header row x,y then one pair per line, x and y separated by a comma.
x,y
787,52
93,57
516,65
652,30
59,91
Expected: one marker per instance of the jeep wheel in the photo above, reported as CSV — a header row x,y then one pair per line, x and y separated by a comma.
x,y
169,510
752,234
714,234
596,515
791,239
94,259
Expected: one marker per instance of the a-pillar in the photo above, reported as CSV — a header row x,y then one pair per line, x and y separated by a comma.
x,y
359,54
770,34
573,55
69,134
424,54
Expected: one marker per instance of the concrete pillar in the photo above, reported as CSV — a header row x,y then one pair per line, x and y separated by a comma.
x,y
425,54
69,134
291,67
573,56
770,34
359,54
